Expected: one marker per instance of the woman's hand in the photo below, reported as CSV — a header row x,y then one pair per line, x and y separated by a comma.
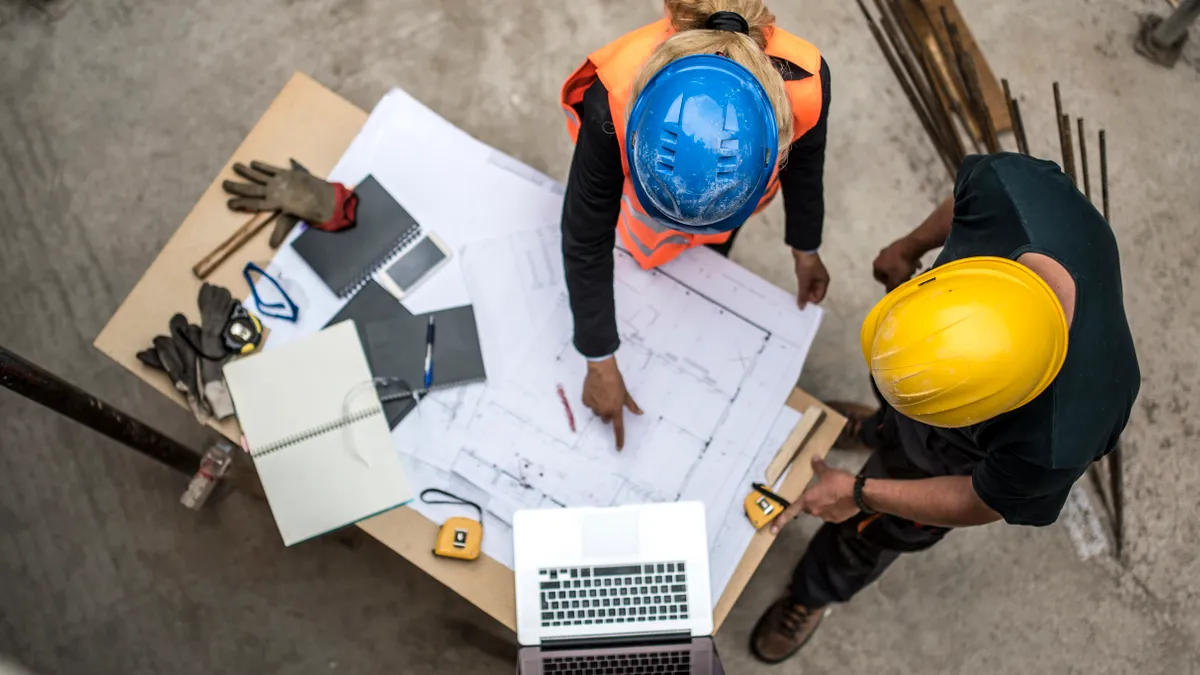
x,y
812,279
604,392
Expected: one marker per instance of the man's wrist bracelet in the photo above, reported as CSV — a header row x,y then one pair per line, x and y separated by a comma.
x,y
859,482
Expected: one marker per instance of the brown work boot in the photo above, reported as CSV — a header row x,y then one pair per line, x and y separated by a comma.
x,y
783,630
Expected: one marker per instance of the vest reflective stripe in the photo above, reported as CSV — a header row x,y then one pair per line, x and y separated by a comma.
x,y
572,121
652,243
617,65
666,236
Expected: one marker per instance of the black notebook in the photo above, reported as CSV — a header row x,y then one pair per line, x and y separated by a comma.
x,y
394,339
346,260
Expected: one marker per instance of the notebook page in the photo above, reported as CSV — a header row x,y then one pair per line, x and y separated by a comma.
x,y
300,386
318,485
317,476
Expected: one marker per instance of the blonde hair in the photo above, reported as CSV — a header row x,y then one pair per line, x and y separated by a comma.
x,y
691,37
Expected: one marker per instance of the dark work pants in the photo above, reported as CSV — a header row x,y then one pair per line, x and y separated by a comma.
x,y
845,558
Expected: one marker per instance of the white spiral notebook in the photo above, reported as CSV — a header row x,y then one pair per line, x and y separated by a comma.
x,y
317,432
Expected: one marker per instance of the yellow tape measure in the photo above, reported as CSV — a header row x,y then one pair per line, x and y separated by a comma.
x,y
459,538
243,332
763,506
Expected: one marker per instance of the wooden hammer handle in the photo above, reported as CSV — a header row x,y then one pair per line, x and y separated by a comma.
x,y
237,240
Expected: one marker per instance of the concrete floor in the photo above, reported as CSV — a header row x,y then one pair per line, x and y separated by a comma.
x,y
116,115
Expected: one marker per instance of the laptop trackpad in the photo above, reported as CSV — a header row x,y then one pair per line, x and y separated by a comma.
x,y
610,535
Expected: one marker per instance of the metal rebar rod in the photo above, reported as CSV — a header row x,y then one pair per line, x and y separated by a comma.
x,y
1058,112
42,386
1019,128
1116,477
1172,29
908,92
914,76
1012,115
945,47
966,69
970,111
1083,161
898,43
1096,478
950,66
1104,174
942,98
1068,149
979,107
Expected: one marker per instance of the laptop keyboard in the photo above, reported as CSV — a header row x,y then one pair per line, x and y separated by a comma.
x,y
584,596
619,664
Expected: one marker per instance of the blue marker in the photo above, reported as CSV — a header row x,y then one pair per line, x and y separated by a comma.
x,y
429,353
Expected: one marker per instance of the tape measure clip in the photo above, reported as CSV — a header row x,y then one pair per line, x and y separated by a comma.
x,y
762,506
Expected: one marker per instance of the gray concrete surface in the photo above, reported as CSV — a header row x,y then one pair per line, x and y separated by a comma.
x,y
115,115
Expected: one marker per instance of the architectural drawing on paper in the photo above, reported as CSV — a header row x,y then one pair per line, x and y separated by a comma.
x,y
711,380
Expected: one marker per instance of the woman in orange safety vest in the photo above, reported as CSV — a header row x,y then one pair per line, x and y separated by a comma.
x,y
681,132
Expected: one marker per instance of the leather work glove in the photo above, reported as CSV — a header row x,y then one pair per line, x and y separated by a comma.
x,y
216,305
192,356
296,194
175,355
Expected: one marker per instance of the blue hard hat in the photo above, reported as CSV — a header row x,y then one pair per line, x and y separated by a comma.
x,y
701,143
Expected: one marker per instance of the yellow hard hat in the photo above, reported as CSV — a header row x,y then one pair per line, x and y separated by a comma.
x,y
965,342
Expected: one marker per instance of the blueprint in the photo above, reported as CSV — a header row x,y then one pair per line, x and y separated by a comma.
x,y
711,379
709,350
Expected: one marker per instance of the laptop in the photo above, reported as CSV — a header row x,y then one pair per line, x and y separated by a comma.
x,y
614,591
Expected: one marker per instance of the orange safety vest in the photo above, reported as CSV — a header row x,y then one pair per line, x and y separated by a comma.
x,y
617,65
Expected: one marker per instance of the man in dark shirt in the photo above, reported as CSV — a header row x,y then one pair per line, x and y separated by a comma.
x,y
922,480
593,201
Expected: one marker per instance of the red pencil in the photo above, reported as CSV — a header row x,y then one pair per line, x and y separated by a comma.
x,y
562,396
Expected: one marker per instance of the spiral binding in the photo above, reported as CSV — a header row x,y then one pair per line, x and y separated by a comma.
x,y
409,236
315,431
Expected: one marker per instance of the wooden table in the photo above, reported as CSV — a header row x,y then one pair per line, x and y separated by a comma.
x,y
315,126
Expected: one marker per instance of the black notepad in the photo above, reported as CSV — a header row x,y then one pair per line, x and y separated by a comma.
x,y
345,260
394,339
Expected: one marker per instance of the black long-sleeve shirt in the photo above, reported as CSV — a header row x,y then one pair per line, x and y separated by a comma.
x,y
593,203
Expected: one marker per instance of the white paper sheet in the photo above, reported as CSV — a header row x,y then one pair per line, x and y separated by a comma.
x,y
710,351
451,183
733,535
317,480
712,379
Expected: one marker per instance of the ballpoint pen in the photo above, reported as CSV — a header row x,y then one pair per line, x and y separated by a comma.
x,y
429,353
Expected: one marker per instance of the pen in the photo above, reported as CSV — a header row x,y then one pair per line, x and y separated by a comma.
x,y
429,353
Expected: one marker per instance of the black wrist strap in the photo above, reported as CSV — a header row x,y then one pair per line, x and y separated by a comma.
x,y
859,482
450,499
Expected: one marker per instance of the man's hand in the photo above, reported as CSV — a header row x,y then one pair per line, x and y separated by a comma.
x,y
831,499
604,392
897,263
812,279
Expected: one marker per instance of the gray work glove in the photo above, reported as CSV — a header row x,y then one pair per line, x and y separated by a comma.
x,y
175,355
192,356
216,305
296,193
